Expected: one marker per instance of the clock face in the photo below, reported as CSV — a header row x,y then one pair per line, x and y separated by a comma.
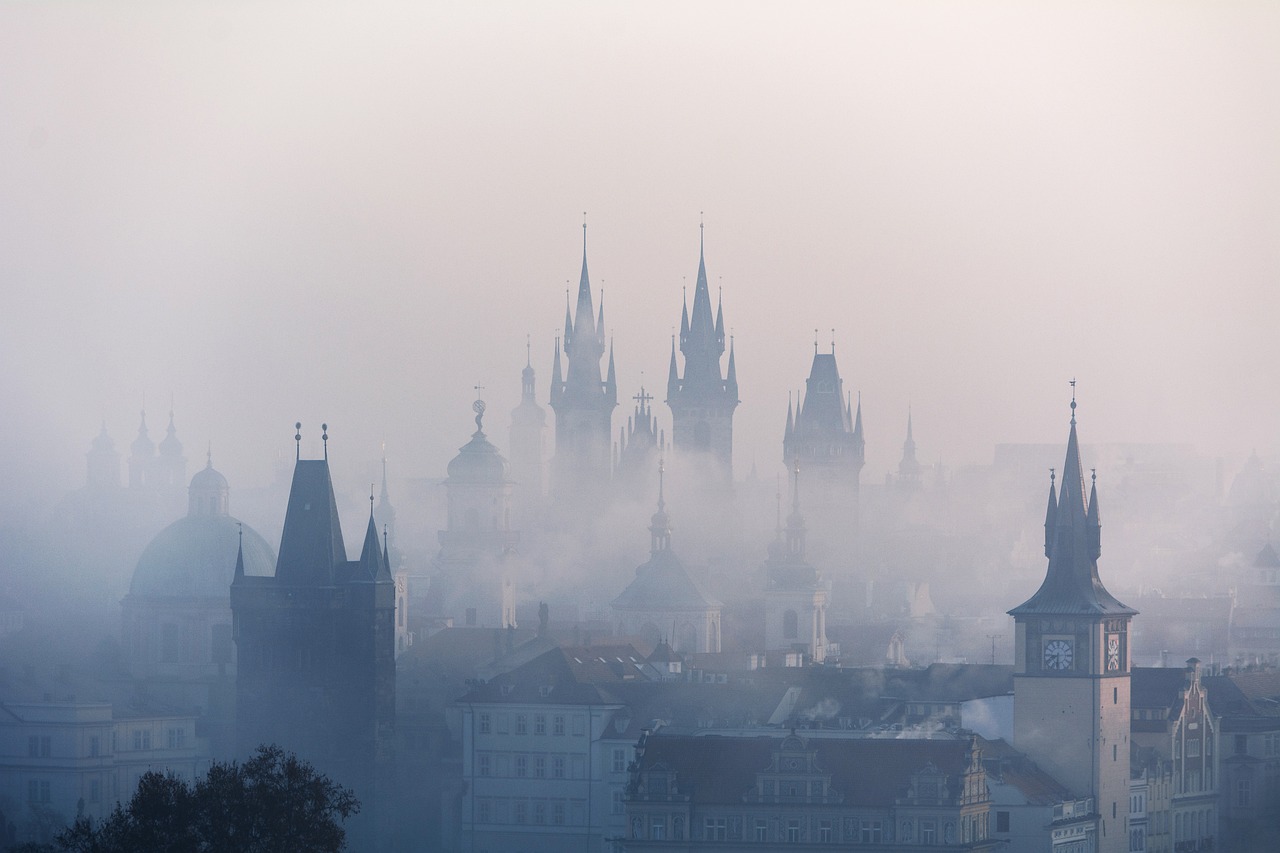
x,y
1058,654
1113,651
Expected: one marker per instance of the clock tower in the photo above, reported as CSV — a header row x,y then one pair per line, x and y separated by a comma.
x,y
1071,667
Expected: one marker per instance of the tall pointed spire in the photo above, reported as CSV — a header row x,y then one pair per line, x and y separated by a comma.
x,y
660,526
1093,523
731,378
1071,584
611,380
239,573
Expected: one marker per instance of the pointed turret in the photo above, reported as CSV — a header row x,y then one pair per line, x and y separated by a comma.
x,y
859,442
557,377
568,327
684,318
600,319
790,430
909,467
311,546
1093,522
371,554
238,577
1050,523
720,319
660,523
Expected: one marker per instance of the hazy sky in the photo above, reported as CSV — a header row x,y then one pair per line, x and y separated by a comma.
x,y
355,212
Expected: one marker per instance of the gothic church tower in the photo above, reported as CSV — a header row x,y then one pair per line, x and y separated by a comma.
x,y
703,399
1071,667
583,403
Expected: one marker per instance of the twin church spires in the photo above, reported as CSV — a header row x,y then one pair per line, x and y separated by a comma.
x,y
702,401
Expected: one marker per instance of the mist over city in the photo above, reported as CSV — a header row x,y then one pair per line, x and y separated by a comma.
x,y
618,427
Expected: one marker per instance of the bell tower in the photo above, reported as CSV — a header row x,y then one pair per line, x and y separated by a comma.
x,y
1071,667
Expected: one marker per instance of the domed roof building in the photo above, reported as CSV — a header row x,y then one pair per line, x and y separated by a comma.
x,y
471,576
177,615
663,597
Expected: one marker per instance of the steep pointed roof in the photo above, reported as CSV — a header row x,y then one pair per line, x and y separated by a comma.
x,y
1071,585
311,547
171,446
371,558
702,341
143,445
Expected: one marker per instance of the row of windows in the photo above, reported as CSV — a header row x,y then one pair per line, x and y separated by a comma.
x,y
488,723
535,812
530,766
39,790
41,746
1193,826
796,830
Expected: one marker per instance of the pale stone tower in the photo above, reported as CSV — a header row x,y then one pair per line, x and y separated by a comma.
x,y
1071,669
702,400
583,403
795,594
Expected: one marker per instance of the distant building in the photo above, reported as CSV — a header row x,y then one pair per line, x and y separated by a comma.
x,y
1245,707
703,400
1255,614
795,592
664,601
528,426
315,645
639,444
583,403
1071,681
73,746
775,792
471,577
176,620
824,434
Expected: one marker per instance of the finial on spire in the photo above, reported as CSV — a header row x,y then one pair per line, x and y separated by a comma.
x,y
208,456
815,341
701,232
478,407
1053,475
371,486
1093,474
324,437
528,350
584,232
662,469
833,341
297,438
1073,400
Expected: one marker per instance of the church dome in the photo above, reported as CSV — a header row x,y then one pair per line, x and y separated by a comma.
x,y
207,479
196,557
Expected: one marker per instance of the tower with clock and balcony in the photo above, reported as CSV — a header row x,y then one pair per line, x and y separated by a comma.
x,y
1071,667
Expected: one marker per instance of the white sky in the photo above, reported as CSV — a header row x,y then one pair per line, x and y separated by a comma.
x,y
355,212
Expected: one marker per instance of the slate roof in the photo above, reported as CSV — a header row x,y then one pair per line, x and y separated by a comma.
x,y
1014,768
311,547
866,771
662,583
196,557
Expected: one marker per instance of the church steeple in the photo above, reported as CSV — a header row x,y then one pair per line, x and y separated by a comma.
x,y
703,399
1071,584
660,524
583,401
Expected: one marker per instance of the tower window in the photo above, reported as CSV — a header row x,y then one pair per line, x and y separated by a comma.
x,y
1115,695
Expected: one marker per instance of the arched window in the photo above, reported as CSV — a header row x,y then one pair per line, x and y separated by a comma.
x,y
790,625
